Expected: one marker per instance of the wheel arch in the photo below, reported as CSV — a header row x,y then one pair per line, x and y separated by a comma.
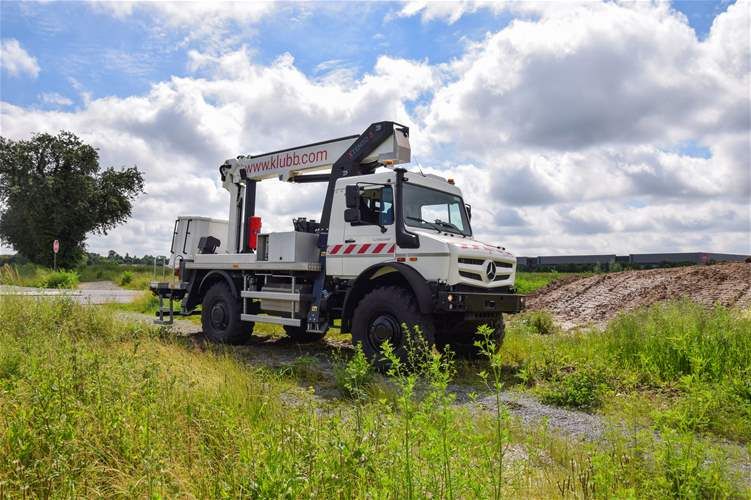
x,y
208,280
384,274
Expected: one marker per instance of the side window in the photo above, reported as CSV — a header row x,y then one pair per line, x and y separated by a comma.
x,y
377,206
174,238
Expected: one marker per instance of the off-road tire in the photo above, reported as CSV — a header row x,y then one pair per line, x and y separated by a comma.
x,y
220,316
461,338
379,316
299,335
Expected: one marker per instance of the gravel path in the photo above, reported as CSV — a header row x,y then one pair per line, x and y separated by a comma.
x,y
532,412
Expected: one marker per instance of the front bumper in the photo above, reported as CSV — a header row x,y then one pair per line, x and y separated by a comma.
x,y
479,302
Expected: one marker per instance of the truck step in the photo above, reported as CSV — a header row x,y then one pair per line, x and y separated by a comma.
x,y
278,320
289,296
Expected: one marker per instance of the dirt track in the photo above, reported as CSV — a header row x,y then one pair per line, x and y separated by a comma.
x,y
596,299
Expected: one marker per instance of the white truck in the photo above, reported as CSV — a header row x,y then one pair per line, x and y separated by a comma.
x,y
392,249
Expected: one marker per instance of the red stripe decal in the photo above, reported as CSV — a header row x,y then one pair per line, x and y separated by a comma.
x,y
379,247
335,249
391,250
364,248
349,249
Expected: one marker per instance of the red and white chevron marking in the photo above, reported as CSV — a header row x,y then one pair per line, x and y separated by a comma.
x,y
361,249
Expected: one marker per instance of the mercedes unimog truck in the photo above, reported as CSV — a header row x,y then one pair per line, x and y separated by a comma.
x,y
393,252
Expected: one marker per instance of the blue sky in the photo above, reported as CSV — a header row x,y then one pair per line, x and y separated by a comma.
x,y
594,127
85,47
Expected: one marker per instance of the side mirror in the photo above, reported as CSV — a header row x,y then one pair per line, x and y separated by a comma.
x,y
469,211
352,196
352,215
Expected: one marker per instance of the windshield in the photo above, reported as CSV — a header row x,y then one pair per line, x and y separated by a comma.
x,y
432,209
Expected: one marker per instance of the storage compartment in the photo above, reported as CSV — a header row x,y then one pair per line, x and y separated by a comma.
x,y
284,299
292,246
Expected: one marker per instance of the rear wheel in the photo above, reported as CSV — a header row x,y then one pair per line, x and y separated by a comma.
x,y
380,316
461,338
220,316
299,335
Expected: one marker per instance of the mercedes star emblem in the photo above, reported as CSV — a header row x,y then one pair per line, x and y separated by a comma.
x,y
490,271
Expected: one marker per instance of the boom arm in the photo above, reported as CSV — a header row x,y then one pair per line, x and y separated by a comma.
x,y
345,156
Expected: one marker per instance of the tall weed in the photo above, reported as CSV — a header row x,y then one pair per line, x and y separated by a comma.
x,y
671,340
698,358
93,407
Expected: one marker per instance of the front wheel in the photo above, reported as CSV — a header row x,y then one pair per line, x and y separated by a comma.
x,y
381,316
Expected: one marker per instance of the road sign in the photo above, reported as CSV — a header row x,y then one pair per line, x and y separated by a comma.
x,y
56,246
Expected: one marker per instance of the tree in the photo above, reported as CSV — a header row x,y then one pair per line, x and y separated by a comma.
x,y
51,187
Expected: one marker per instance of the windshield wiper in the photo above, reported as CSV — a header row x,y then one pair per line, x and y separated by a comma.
x,y
448,225
420,219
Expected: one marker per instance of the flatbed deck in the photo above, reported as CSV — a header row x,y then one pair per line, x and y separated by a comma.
x,y
247,261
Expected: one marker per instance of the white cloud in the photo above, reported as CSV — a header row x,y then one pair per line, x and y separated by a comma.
x,y
574,117
15,60
190,13
219,24
448,11
55,99
183,129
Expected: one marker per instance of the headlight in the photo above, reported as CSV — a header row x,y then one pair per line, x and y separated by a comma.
x,y
450,298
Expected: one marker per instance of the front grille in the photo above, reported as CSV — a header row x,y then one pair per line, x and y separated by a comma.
x,y
506,265
501,277
471,262
472,276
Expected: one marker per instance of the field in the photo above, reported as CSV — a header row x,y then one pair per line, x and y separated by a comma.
x,y
131,277
657,404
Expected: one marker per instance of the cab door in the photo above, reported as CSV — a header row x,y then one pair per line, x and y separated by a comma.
x,y
336,234
371,240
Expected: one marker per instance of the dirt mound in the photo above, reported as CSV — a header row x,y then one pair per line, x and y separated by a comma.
x,y
597,299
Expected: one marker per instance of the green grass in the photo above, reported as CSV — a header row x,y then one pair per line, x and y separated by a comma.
x,y
132,277
32,275
690,367
90,406
527,282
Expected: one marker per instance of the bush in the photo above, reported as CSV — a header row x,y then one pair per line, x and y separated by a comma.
x,y
581,388
126,278
540,322
59,279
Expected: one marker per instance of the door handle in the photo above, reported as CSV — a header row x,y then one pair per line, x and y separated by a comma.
x,y
349,241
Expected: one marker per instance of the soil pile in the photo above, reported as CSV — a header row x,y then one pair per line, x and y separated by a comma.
x,y
597,299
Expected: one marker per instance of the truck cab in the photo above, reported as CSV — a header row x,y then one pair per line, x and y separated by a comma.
x,y
434,210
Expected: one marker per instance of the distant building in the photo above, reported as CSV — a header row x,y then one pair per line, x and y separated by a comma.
x,y
634,260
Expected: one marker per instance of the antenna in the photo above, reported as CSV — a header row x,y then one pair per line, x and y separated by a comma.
x,y
419,167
